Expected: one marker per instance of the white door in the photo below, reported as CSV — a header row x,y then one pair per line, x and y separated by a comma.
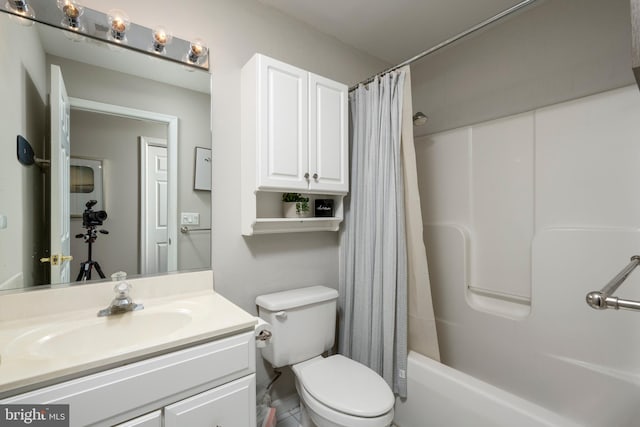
x,y
154,245
328,138
282,133
60,160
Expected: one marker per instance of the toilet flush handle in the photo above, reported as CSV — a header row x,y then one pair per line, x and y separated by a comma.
x,y
281,315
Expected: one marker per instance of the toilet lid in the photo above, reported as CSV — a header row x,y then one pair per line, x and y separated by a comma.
x,y
347,386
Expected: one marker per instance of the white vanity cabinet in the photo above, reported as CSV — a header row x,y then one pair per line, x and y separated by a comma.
x,y
294,139
210,384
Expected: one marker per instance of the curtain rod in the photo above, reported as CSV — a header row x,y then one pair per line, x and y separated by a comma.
x,y
449,41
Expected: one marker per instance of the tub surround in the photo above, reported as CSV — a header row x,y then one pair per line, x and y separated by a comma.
x,y
54,334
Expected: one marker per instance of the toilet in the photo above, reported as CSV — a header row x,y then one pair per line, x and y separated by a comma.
x,y
334,391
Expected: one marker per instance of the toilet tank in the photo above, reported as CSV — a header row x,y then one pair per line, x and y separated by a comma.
x,y
303,323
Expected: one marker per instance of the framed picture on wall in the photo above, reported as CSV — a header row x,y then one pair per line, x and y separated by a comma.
x,y
202,176
85,184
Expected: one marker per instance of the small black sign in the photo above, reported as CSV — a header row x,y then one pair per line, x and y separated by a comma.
x,y
34,415
324,207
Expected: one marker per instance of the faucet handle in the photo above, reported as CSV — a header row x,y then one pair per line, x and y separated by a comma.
x,y
122,290
122,302
119,276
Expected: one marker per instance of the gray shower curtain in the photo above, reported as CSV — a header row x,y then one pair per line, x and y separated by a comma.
x,y
373,274
383,261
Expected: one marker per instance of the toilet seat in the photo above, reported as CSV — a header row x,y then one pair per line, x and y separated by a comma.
x,y
323,415
344,386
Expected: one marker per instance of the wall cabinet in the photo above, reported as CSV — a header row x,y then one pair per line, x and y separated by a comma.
x,y
294,138
205,385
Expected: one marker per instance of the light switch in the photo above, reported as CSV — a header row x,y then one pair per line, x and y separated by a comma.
x,y
189,218
3,222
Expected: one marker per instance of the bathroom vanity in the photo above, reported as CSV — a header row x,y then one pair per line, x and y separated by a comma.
x,y
187,358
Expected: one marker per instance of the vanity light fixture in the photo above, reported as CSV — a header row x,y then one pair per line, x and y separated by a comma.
x,y
119,23
197,51
161,38
20,7
72,12
114,27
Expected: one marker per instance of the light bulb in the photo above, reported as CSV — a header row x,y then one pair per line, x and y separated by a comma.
x,y
118,23
197,50
72,12
20,7
161,38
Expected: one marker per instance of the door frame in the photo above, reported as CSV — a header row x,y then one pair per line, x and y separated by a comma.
x,y
172,152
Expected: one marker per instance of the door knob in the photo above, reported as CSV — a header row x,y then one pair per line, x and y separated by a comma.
x,y
306,175
56,259
315,176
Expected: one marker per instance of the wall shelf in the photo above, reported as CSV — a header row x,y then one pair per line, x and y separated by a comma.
x,y
262,214
293,225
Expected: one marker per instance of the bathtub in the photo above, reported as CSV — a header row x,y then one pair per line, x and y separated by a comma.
x,y
441,396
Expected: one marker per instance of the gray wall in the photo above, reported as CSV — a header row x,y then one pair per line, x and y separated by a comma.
x,y
552,52
22,112
245,267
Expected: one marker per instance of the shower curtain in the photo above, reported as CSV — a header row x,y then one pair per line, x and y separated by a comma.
x,y
379,260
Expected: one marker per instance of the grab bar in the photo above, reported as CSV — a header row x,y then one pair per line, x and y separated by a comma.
x,y
184,229
603,299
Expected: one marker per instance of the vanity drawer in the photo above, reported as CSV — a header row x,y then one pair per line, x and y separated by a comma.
x,y
122,393
153,419
230,405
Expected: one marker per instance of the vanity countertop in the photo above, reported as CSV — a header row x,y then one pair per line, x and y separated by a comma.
x,y
56,343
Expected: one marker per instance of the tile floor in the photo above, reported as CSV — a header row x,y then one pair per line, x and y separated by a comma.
x,y
290,418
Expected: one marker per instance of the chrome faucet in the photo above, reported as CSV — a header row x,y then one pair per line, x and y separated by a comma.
x,y
122,303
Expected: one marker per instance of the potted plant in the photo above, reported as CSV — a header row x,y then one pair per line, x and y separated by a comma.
x,y
294,205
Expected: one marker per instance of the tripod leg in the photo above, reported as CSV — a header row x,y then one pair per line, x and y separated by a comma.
x,y
98,269
81,274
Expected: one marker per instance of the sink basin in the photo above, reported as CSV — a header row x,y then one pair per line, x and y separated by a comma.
x,y
99,335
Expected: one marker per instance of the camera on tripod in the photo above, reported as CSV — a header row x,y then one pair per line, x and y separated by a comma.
x,y
91,218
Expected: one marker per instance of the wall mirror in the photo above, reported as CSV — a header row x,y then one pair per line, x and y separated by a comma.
x,y
133,126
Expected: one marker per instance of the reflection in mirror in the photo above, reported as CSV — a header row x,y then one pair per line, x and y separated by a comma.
x,y
134,123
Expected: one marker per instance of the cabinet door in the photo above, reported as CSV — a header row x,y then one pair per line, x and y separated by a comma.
x,y
230,405
153,419
328,135
282,130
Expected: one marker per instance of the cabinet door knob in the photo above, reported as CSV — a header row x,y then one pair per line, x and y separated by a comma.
x,y
306,175
315,176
